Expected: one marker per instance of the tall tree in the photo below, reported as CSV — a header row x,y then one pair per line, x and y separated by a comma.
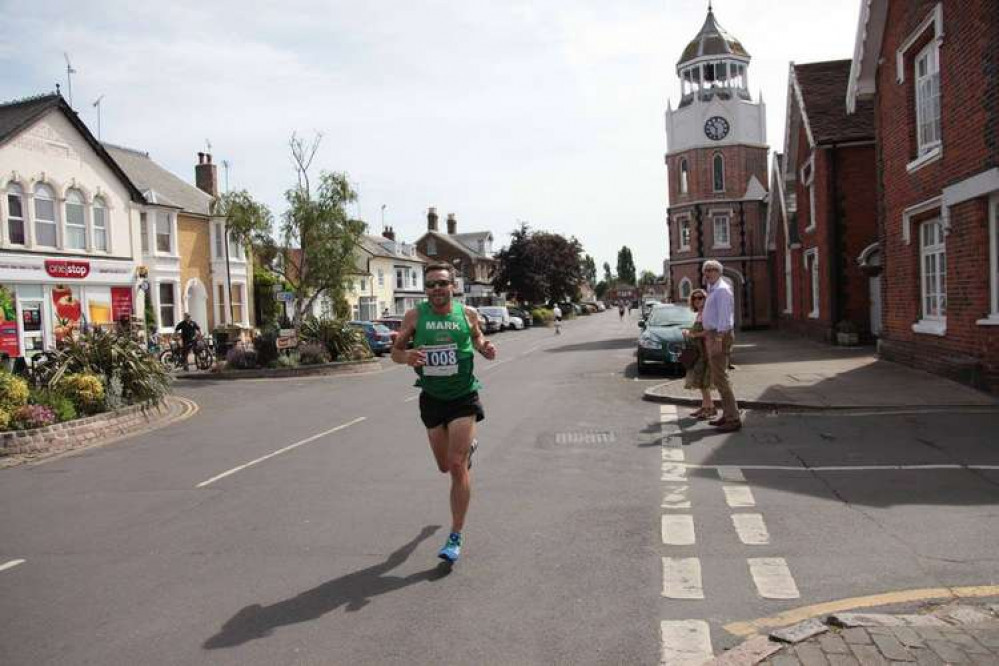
x,y
589,270
608,276
646,278
319,240
247,222
539,266
625,266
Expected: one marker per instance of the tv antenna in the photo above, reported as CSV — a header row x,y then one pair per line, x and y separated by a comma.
x,y
97,105
225,170
69,77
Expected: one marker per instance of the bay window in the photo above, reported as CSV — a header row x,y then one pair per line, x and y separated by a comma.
x,y
237,302
167,304
164,235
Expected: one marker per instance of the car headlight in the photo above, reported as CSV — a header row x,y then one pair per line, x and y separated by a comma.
x,y
675,347
649,343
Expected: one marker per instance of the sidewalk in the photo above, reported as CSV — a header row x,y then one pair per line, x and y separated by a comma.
x,y
778,370
953,634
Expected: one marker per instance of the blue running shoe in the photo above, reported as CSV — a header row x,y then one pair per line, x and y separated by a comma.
x,y
452,548
475,445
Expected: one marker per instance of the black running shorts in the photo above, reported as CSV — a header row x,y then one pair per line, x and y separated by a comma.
x,y
436,412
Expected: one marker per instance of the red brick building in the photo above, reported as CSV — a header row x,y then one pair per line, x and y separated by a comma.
x,y
717,169
822,220
932,69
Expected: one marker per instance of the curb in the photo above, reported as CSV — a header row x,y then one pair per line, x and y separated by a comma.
x,y
362,366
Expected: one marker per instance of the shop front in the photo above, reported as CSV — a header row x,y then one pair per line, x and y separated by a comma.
x,y
45,300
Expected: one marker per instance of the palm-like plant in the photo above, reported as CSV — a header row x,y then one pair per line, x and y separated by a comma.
x,y
342,341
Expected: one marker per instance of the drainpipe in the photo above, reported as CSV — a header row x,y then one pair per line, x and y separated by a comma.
x,y
835,238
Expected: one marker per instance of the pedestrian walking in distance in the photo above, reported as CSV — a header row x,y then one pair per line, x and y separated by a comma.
x,y
557,311
719,320
446,335
620,310
699,374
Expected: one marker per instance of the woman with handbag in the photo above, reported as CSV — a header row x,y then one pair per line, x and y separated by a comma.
x,y
698,373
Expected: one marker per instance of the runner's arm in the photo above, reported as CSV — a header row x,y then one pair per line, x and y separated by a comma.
x,y
400,354
479,341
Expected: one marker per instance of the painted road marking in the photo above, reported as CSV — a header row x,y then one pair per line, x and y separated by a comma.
x,y
672,455
603,437
280,451
412,398
739,497
731,474
682,578
11,564
686,643
669,426
751,529
675,472
675,497
773,578
667,413
851,468
678,530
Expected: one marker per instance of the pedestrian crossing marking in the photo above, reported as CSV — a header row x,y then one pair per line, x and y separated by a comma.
x,y
731,474
751,529
682,578
675,472
672,455
678,530
675,497
685,642
739,497
773,578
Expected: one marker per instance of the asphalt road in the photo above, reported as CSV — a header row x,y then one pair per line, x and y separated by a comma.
x,y
319,545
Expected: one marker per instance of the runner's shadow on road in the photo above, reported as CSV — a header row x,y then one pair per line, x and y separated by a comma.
x,y
353,591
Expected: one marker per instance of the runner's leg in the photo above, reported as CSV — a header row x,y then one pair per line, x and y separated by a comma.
x,y
438,444
460,432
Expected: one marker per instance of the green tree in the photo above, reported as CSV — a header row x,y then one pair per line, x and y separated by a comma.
x,y
539,266
589,269
646,279
318,239
247,222
601,289
625,266
608,276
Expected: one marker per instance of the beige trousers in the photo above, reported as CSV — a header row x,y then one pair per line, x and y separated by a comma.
x,y
718,363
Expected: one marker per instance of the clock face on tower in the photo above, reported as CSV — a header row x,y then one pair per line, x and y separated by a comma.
x,y
716,128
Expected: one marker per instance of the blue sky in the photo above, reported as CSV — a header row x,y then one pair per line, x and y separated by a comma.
x,y
547,112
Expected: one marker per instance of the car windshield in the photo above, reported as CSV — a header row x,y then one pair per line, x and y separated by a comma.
x,y
672,316
382,330
492,312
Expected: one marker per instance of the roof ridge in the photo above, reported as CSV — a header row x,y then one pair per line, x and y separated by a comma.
x,y
32,98
143,153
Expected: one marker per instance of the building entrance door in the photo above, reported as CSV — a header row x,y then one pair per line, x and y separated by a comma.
x,y
874,284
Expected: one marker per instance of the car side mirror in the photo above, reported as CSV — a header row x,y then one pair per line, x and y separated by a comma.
x,y
641,324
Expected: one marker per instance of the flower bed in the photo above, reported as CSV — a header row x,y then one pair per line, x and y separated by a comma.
x,y
334,368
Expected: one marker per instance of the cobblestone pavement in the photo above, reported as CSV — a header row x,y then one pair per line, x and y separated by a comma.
x,y
954,634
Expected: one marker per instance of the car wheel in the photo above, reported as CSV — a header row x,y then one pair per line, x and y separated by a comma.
x,y
642,365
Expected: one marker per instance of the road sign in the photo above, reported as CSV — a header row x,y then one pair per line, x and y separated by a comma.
x,y
285,296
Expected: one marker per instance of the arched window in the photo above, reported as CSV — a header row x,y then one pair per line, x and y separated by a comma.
x,y
685,289
684,175
76,222
718,169
45,220
100,225
15,214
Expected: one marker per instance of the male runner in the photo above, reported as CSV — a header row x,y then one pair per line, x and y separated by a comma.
x,y
444,334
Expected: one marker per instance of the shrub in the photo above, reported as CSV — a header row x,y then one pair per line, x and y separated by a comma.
x,y
312,353
241,358
34,416
61,405
287,361
4,419
13,392
113,394
341,340
85,390
265,345
104,353
542,316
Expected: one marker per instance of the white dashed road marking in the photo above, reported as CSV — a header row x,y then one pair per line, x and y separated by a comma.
x,y
731,474
11,564
850,468
682,578
672,455
675,472
686,643
773,579
678,530
675,497
751,529
739,497
412,398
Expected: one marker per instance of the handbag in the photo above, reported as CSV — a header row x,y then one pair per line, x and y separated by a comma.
x,y
689,356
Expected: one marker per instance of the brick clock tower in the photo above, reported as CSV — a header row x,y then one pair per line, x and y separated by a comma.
x,y
716,162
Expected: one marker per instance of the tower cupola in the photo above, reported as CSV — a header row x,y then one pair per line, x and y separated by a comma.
x,y
714,64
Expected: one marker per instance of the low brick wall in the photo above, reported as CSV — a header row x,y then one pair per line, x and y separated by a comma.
x,y
335,368
72,434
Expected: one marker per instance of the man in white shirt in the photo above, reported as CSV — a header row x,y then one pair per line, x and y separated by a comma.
x,y
719,320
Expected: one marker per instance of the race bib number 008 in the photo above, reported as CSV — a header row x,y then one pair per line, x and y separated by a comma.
x,y
442,360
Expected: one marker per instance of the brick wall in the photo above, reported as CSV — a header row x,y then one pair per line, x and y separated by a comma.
x,y
194,248
741,162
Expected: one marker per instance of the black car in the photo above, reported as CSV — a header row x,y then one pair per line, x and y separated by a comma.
x,y
523,314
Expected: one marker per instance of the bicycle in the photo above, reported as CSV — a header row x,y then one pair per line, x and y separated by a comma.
x,y
175,357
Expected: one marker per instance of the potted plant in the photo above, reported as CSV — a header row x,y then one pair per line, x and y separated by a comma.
x,y
847,334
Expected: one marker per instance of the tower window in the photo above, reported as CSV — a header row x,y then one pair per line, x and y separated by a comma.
x,y
684,176
719,172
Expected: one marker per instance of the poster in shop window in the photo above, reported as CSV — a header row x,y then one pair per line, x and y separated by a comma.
x,y
8,324
67,312
121,303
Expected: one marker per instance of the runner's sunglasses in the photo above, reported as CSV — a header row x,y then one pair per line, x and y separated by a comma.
x,y
433,284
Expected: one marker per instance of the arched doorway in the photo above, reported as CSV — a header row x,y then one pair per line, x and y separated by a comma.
x,y
870,265
196,302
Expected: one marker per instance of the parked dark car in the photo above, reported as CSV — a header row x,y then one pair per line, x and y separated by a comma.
x,y
523,314
378,335
489,323
662,339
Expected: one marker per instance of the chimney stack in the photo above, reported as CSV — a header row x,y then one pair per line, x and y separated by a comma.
x,y
432,219
206,175
452,224
389,233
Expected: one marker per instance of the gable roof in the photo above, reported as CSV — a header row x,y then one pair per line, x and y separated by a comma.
x,y
19,115
454,242
376,245
823,92
471,240
160,187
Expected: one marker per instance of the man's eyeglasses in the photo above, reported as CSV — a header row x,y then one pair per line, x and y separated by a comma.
x,y
434,284
698,298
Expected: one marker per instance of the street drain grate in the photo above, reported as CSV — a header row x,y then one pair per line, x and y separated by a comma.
x,y
600,437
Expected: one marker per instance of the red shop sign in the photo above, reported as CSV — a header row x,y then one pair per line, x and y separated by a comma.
x,y
121,303
67,269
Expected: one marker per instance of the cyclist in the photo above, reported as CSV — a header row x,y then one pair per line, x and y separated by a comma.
x,y
189,332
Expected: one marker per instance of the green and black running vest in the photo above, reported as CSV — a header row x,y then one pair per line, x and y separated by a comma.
x,y
447,342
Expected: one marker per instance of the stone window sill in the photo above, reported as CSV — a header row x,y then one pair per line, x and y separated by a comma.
x,y
991,320
924,159
931,327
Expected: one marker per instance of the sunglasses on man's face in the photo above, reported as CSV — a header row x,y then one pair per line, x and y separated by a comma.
x,y
698,298
434,284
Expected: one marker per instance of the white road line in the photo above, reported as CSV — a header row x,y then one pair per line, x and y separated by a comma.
x,y
667,413
496,364
678,530
280,451
739,497
412,398
11,564
682,578
672,455
675,472
773,579
751,529
731,474
850,468
686,643
675,497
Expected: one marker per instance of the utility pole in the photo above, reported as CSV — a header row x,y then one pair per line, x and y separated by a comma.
x,y
97,104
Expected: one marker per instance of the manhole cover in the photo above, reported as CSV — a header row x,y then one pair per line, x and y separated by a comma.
x,y
598,437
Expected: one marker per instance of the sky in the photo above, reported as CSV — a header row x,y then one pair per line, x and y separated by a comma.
x,y
546,112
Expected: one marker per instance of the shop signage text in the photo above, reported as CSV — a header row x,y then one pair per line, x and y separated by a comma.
x,y
67,269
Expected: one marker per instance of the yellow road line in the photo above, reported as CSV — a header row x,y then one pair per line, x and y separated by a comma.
x,y
745,629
